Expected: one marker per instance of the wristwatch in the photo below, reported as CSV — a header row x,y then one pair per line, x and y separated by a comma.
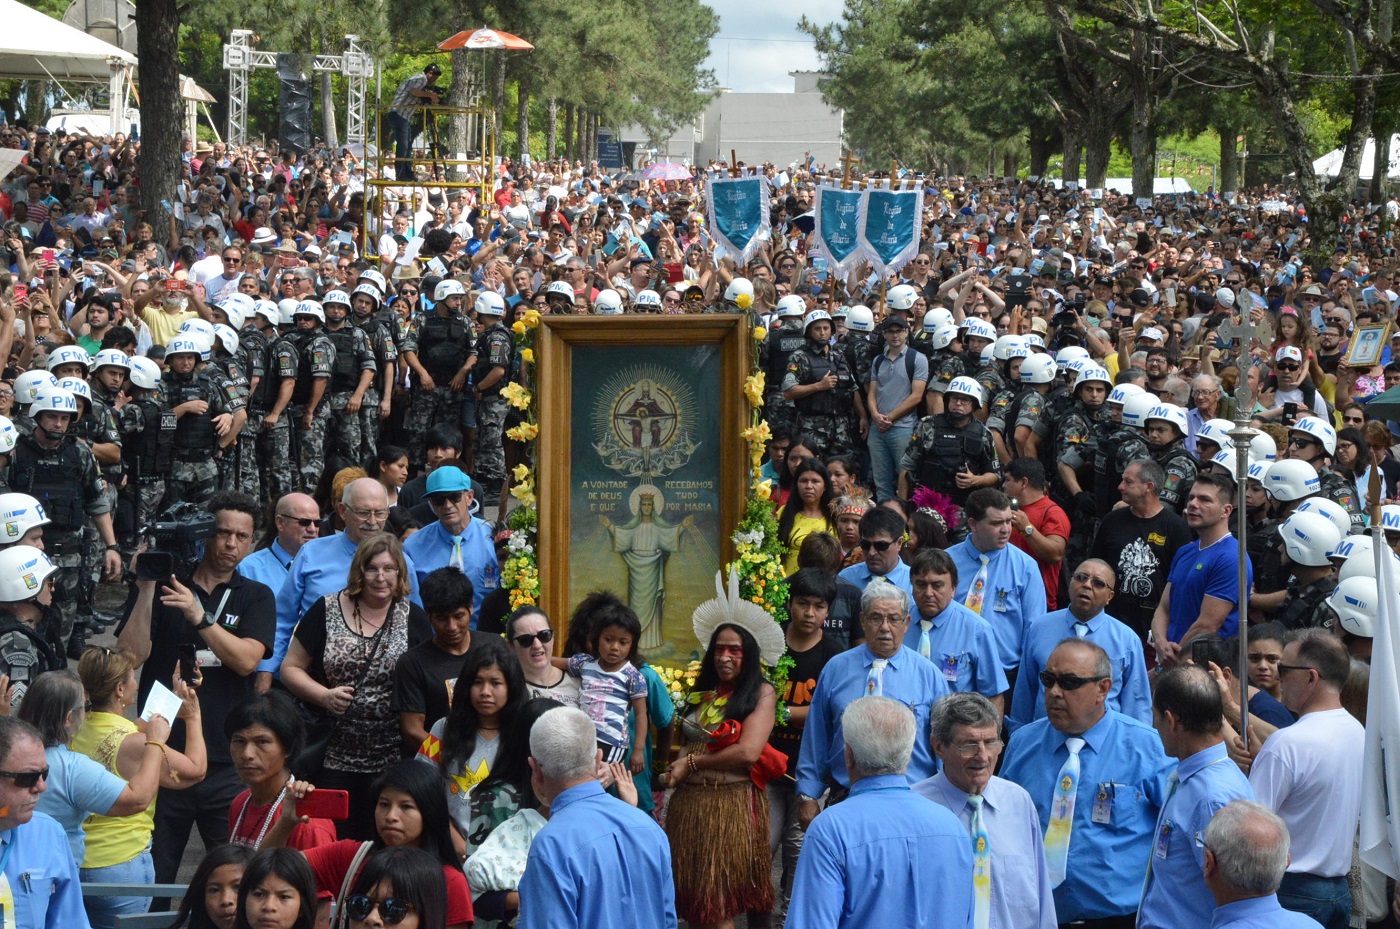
x,y
206,622
1029,530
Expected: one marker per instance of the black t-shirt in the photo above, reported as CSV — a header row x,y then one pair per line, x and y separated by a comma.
x,y
423,681
1140,551
249,612
802,683
494,610
843,619
412,492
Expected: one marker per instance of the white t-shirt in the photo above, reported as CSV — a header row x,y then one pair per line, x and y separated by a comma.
x,y
1319,406
207,268
1310,775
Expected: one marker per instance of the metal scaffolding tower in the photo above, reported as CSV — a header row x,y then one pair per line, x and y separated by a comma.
x,y
355,63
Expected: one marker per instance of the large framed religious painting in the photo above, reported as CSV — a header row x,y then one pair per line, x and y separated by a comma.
x,y
642,465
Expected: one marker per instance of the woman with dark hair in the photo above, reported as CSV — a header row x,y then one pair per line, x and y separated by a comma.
x,y
278,891
404,886
468,744
351,640
927,529
717,819
390,468
265,733
410,811
211,902
807,510
529,632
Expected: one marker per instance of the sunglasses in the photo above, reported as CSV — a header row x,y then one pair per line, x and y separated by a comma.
x,y
525,641
302,521
391,910
450,497
1289,367
1065,681
1098,583
1300,442
26,780
881,546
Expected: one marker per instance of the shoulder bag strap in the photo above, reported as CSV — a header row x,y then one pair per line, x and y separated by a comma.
x,y
342,919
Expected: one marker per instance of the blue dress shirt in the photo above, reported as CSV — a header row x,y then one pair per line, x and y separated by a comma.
x,y
1176,893
43,877
963,647
268,566
598,862
1131,693
1022,897
908,678
860,575
884,857
1260,913
1015,593
431,548
321,567
1123,779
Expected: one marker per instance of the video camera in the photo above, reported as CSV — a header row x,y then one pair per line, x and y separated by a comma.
x,y
178,536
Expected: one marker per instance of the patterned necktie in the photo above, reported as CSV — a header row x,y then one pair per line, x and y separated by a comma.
x,y
981,866
976,593
456,560
875,680
1081,629
926,627
1062,813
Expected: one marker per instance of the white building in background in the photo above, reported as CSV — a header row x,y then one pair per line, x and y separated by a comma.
x,y
758,127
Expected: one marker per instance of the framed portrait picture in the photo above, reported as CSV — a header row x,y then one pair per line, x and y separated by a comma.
x,y
1366,344
642,465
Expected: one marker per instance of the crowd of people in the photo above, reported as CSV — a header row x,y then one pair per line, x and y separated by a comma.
x,y
1004,476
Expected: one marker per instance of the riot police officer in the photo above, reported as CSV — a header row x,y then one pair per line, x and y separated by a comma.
x,y
951,452
1122,443
1076,442
96,429
1312,440
25,652
1306,541
1165,432
352,375
438,350
383,341
784,339
1001,382
51,466
821,389
238,467
147,425
207,419
310,411
495,354
27,387
1023,426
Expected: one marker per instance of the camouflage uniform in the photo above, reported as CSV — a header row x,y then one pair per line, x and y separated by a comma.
x,y
67,481
315,361
446,345
952,365
774,354
1306,607
276,451
386,356
824,417
1181,471
1027,408
148,434
1077,442
353,357
194,469
494,349
938,450
97,427
1343,493
1262,546
1120,446
995,385
238,466
252,356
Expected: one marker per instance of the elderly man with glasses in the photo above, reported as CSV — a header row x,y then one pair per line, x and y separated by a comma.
x,y
455,540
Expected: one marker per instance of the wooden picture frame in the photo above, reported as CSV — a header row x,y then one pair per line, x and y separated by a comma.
x,y
1367,344
641,421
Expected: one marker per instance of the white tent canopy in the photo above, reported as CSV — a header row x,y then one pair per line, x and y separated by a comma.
x,y
40,46
1330,164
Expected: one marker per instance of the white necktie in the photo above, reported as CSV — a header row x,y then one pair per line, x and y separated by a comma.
x,y
1057,833
456,559
875,680
1081,629
926,627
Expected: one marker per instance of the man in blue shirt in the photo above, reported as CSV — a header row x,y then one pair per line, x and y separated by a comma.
x,y
879,666
1186,710
997,581
886,856
1091,587
881,539
1245,853
455,540
598,862
1098,779
958,641
34,854
1202,592
298,521
323,565
965,738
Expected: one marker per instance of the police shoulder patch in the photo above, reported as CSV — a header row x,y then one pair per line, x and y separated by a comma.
x,y
1173,481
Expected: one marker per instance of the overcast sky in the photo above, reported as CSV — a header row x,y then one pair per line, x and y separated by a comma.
x,y
758,43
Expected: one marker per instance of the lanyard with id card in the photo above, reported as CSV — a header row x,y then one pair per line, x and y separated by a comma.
x,y
206,656
1103,804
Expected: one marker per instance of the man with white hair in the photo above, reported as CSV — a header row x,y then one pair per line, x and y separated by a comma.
x,y
599,861
917,851
880,666
1246,851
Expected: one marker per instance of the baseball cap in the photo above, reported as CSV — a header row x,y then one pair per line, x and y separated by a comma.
x,y
895,321
447,479
1225,297
1289,353
1152,332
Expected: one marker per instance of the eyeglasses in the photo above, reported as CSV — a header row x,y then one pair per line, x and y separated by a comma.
x,y
304,522
1098,583
375,515
973,749
392,910
445,497
1288,367
526,640
877,621
1281,669
1066,682
25,780
1299,442
880,546
232,261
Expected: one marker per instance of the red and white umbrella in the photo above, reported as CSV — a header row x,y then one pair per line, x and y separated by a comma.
x,y
485,38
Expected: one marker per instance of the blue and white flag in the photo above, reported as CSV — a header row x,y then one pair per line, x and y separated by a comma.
x,y
838,227
891,226
1380,786
738,208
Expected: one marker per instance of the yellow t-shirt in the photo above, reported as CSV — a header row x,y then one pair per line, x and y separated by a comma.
x,y
111,839
164,326
802,527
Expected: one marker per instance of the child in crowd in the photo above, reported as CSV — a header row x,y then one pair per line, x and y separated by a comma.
x,y
609,682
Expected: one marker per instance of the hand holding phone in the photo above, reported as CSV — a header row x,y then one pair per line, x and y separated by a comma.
x,y
325,804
